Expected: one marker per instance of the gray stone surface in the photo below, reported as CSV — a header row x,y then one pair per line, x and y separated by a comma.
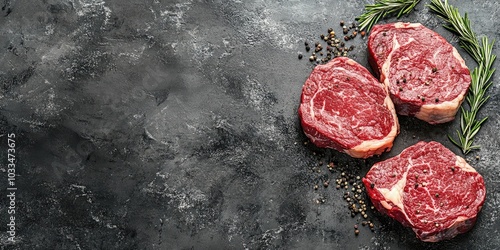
x,y
173,125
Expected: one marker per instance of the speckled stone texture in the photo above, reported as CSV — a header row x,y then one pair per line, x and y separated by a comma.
x,y
173,125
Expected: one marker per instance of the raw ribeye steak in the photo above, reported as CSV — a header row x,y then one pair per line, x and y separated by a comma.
x,y
428,188
345,108
426,76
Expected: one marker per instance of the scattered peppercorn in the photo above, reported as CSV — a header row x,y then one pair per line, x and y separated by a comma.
x,y
331,40
300,56
363,33
434,70
341,23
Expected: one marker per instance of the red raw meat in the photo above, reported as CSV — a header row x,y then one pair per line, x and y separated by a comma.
x,y
426,76
345,108
428,188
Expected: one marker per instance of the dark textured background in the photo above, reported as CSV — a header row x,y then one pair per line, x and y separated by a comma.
x,y
173,125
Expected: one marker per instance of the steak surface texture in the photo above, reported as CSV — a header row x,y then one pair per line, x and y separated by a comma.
x,y
428,188
426,76
345,108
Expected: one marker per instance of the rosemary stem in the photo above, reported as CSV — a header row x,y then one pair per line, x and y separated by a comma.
x,y
381,8
481,52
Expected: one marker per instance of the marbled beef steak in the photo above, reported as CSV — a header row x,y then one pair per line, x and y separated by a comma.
x,y
345,108
428,188
426,76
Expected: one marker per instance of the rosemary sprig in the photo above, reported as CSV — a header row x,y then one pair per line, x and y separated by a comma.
x,y
481,52
381,8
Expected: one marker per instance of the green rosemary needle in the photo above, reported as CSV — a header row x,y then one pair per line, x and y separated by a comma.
x,y
481,52
381,8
